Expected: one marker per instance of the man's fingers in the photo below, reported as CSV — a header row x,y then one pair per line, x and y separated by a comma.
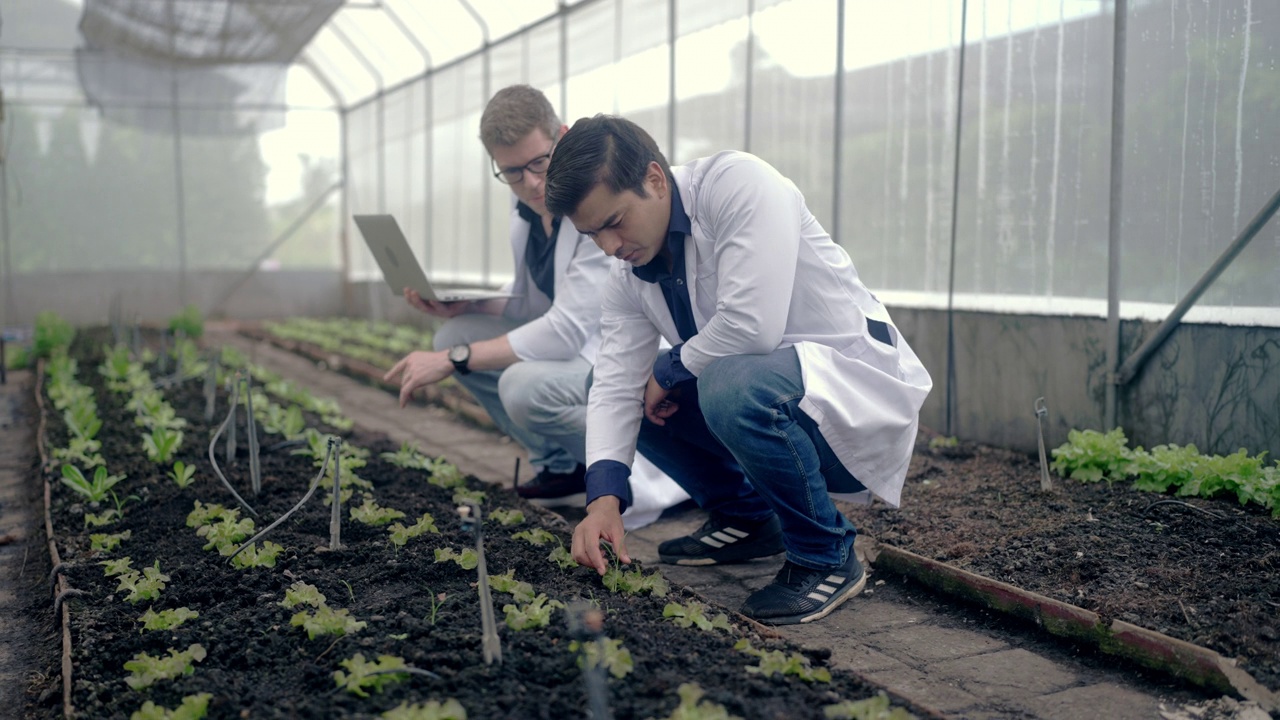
x,y
620,547
395,369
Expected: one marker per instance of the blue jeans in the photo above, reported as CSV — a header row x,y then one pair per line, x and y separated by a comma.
x,y
540,404
741,447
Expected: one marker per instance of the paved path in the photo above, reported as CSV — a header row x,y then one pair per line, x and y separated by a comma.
x,y
963,662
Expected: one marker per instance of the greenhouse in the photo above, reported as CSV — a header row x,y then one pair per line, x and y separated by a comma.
x,y
349,368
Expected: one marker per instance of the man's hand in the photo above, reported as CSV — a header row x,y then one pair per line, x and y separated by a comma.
x,y
419,369
431,307
658,405
603,522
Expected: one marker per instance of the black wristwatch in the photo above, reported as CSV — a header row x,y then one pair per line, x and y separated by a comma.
x,y
460,355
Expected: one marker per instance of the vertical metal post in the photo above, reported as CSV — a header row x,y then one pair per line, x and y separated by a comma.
x,y
180,196
837,142
671,82
7,316
749,76
1114,211
955,208
335,513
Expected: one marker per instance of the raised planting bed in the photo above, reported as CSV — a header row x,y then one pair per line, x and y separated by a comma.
x,y
322,342
1188,586
253,657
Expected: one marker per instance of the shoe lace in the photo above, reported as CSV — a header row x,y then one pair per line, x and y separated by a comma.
x,y
796,576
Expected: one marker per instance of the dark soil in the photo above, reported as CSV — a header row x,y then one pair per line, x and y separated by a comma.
x,y
259,666
1204,571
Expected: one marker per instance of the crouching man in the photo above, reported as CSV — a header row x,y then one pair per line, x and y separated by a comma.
x,y
786,382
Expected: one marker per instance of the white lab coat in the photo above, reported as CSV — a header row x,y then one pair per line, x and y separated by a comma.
x,y
571,325
764,275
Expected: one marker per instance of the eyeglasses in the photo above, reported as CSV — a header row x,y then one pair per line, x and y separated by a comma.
x,y
511,176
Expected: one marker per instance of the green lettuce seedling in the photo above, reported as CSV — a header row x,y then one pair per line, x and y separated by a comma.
x,y
106,517
445,474
193,707
253,556
182,474
562,558
370,513
166,619
467,559
93,490
876,707
634,582
103,542
617,659
326,621
226,534
146,670
464,496
695,613
362,676
301,593
507,583
536,614
205,514
507,518
400,534
450,709
161,444
145,585
117,567
693,707
535,536
408,457
777,662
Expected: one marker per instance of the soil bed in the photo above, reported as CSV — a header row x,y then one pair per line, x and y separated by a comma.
x,y
1210,580
258,666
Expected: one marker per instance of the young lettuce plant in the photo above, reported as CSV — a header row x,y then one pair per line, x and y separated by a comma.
x,y
562,557
507,518
362,676
535,536
193,707
450,709
445,474
876,707
462,496
117,567
370,513
325,620
777,662
166,619
535,614
607,653
146,670
693,707
93,490
182,474
408,457
104,542
467,559
521,592
634,582
695,613
399,534
145,585
254,556
161,444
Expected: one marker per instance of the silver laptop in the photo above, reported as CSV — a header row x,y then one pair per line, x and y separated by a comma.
x,y
401,269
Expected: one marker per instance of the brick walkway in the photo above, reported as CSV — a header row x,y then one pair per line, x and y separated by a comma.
x,y
898,636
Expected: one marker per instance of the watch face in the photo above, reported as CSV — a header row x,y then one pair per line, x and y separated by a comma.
x,y
460,353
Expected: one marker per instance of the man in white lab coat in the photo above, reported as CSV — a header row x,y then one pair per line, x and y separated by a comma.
x,y
787,382
527,359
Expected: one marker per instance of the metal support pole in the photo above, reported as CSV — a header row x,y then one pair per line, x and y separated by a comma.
x,y
1129,370
671,81
344,215
837,142
180,195
749,76
4,236
486,201
949,421
1114,212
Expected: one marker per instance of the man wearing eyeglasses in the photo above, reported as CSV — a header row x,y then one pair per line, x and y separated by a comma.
x,y
526,360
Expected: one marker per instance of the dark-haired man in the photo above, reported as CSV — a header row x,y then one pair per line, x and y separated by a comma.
x,y
787,382
526,360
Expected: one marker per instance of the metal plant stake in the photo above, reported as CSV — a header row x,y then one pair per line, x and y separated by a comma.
x,y
335,516
469,513
586,625
213,446
211,387
255,466
332,452
231,428
1041,411
162,362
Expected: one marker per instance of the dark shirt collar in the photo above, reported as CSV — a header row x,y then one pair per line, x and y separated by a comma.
x,y
530,215
677,227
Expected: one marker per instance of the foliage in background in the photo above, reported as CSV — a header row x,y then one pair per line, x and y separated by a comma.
x,y
51,334
189,321
1091,456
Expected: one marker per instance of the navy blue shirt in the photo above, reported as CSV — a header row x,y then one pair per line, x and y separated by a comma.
x,y
609,477
540,252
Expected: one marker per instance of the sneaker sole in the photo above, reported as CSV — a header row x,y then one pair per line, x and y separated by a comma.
x,y
575,500
701,561
798,619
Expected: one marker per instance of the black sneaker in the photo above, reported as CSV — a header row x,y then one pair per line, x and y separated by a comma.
x,y
550,489
800,594
724,540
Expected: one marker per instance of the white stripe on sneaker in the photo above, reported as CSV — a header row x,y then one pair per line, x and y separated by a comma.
x,y
825,588
837,579
818,596
736,532
724,537
712,542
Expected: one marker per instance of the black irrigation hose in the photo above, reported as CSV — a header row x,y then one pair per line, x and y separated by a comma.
x,y
1210,513
314,484
231,413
